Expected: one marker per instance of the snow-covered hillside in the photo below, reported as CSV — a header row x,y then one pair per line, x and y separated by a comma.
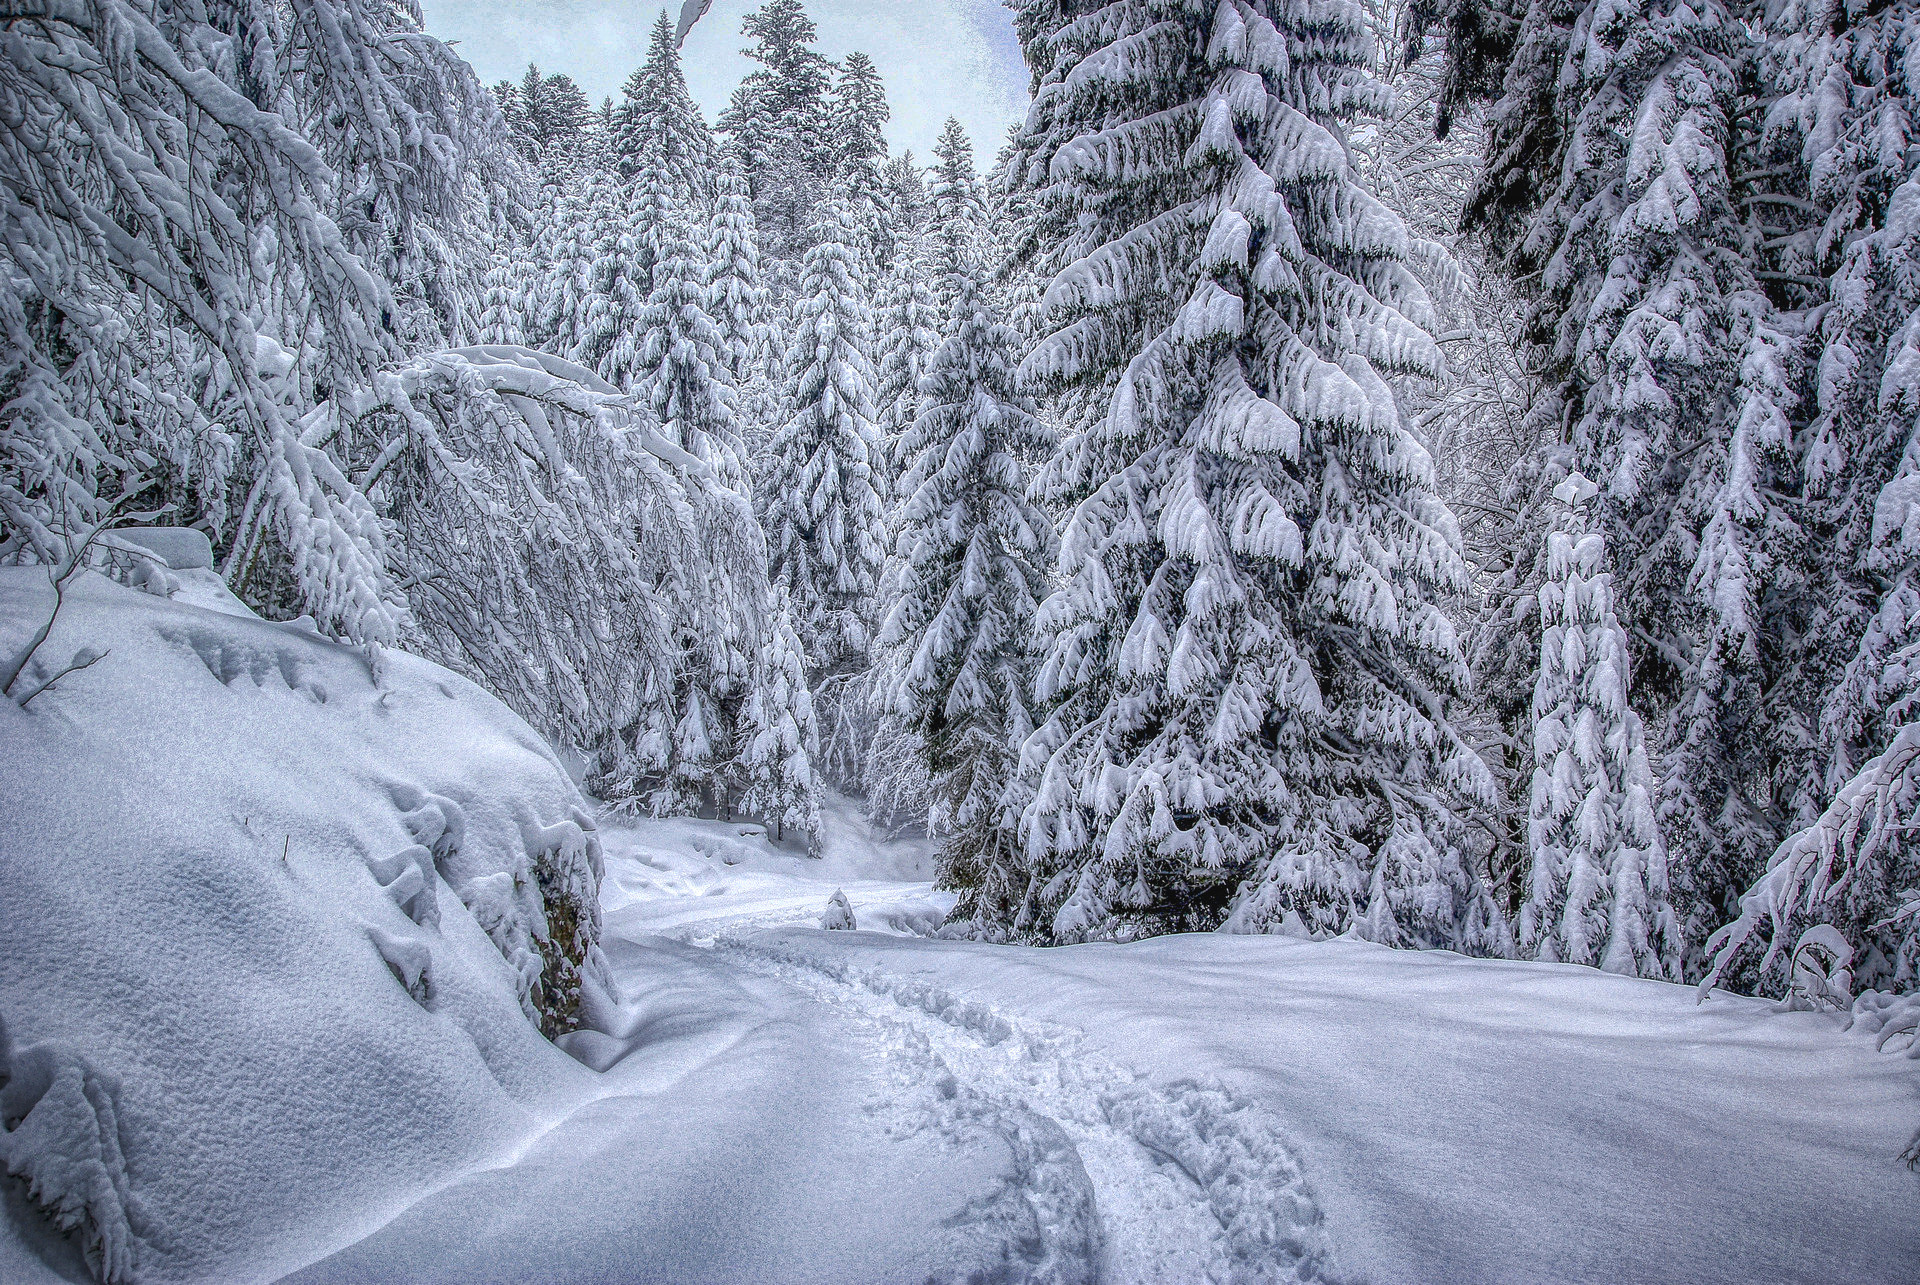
x,y
248,1044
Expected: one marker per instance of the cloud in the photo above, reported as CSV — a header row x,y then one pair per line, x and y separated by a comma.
x,y
939,58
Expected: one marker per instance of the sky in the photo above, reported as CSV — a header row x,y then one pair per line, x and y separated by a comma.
x,y
939,58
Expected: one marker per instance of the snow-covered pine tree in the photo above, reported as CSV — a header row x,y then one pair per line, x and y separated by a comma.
x,y
779,125
966,578
657,123
738,303
562,258
629,239
1647,317
736,297
1849,210
683,367
906,192
821,506
858,112
549,115
1598,890
781,788
1247,668
908,327
956,214
504,302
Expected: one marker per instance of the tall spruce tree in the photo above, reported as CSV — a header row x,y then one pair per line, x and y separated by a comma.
x,y
658,123
737,301
549,115
908,334
780,125
966,579
1630,174
628,241
957,213
821,504
683,360
1598,889
1247,667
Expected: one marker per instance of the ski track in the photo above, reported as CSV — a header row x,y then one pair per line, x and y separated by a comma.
x,y
1115,1179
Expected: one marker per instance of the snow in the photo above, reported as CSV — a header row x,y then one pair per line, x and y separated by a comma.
x,y
218,898
193,911
1416,1115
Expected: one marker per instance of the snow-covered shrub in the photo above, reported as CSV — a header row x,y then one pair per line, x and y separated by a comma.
x,y
839,914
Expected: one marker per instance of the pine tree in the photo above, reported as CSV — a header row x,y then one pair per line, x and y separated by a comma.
x,y
1598,890
505,301
860,115
548,114
909,333
822,508
629,238
966,582
1247,669
781,788
956,214
658,124
684,372
906,193
737,300
780,126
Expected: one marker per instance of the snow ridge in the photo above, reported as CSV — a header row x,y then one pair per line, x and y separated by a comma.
x,y
1116,1178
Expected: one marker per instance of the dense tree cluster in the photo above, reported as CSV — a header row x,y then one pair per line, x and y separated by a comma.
x,y
1442,472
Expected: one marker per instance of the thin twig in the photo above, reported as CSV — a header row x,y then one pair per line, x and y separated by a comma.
x,y
73,667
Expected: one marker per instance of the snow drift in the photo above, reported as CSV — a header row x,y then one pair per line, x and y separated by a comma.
x,y
282,927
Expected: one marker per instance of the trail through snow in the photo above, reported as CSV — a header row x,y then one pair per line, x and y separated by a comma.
x,y
1110,1178
1127,1181
787,1104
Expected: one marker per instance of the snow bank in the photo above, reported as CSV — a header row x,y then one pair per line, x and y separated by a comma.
x,y
276,935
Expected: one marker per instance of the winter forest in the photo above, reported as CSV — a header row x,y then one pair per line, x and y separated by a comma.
x,y
1371,482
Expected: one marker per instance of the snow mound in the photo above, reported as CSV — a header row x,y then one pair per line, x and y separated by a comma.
x,y
283,928
839,915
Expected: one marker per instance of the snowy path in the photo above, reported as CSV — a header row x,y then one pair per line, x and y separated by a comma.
x,y
1129,1182
1111,1179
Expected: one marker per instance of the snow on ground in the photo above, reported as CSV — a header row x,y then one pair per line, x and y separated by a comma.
x,y
692,879
1213,1107
206,989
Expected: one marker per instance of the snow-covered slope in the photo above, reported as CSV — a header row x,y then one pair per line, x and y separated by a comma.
x,y
247,972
